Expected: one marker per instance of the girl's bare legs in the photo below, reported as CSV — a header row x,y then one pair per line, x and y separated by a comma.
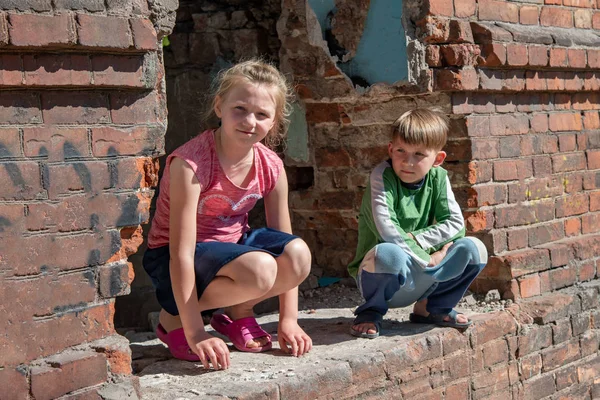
x,y
249,279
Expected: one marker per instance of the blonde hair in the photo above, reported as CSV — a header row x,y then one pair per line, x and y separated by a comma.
x,y
257,71
421,126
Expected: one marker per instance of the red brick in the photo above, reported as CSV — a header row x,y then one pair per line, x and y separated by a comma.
x,y
529,15
555,16
517,239
567,143
4,29
513,80
516,54
538,56
70,372
577,58
57,144
27,30
440,7
464,79
51,335
560,122
576,204
555,80
433,56
11,70
92,31
573,81
583,19
14,383
118,70
144,34
460,54
495,352
490,10
579,3
491,326
590,223
20,181
595,201
591,81
20,108
460,31
559,355
111,141
542,166
493,54
53,70
593,159
509,124
593,58
539,123
76,177
435,29
457,391
464,8
134,108
558,57
333,157
10,143
545,233
506,170
591,120
486,195
77,108
535,80
534,339
572,227
516,215
562,101
490,381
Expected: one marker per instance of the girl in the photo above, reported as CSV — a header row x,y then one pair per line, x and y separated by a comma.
x,y
202,254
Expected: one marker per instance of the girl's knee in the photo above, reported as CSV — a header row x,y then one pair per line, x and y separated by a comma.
x,y
257,270
297,255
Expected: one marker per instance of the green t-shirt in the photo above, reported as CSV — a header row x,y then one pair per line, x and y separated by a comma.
x,y
390,210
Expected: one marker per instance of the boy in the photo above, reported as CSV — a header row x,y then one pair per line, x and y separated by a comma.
x,y
411,244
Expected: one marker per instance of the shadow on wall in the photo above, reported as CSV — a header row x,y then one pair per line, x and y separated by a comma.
x,y
376,49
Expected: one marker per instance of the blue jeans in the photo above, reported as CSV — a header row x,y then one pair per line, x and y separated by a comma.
x,y
388,277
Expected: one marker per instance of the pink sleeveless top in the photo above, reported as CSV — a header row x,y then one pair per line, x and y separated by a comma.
x,y
223,206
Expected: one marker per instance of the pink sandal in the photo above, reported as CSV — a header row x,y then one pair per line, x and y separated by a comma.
x,y
240,332
177,343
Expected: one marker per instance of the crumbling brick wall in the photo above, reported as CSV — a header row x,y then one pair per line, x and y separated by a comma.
x,y
520,83
82,116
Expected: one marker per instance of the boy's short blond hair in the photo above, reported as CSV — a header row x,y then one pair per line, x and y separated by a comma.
x,y
421,126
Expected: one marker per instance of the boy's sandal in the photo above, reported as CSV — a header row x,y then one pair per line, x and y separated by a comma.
x,y
177,343
367,317
241,332
438,319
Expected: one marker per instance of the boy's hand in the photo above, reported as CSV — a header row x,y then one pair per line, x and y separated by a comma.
x,y
290,334
439,255
209,348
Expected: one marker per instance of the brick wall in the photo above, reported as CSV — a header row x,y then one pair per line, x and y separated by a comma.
x,y
82,116
520,82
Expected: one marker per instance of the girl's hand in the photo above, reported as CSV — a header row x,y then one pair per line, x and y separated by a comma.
x,y
209,348
290,335
439,255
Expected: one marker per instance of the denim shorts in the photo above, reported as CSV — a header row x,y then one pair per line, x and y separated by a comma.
x,y
209,258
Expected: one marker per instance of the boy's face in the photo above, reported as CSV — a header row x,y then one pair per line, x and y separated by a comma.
x,y
412,162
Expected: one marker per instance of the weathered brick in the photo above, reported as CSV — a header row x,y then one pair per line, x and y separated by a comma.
x,y
135,108
591,120
27,30
577,58
562,277
596,20
20,181
535,80
589,343
517,239
433,56
573,81
57,144
69,372
558,57
529,15
572,226
506,170
123,71
464,8
560,122
77,108
144,34
92,31
490,381
111,141
567,143
593,58
550,307
566,377
555,16
20,108
590,223
561,354
567,206
516,215
464,79
490,10
114,279
53,70
516,54
441,7
538,56
88,5
595,201
593,159
89,177
11,69
510,124
542,166
10,143
491,326
555,80
530,366
513,80
14,383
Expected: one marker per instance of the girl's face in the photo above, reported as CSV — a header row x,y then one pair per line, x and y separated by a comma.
x,y
412,162
247,112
